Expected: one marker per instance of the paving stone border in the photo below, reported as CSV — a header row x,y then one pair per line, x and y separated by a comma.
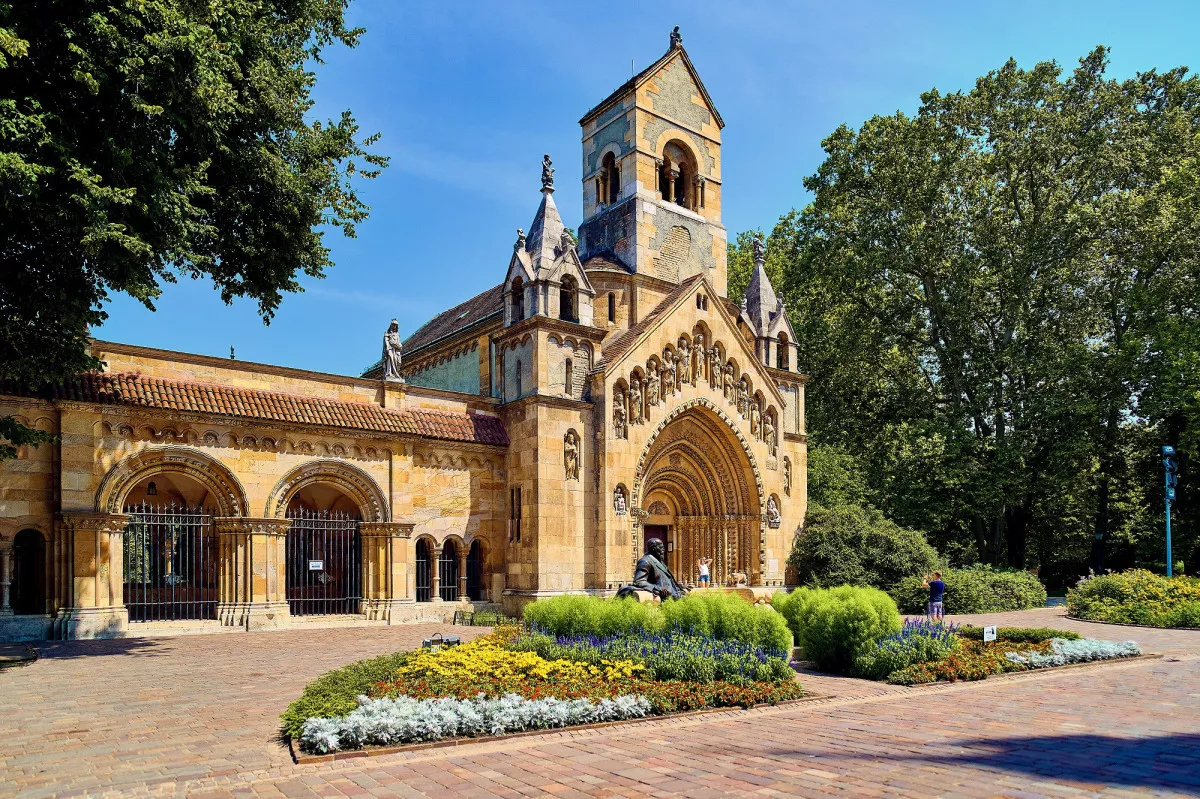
x,y
1126,624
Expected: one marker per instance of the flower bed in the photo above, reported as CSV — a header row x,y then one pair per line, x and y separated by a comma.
x,y
1137,597
509,682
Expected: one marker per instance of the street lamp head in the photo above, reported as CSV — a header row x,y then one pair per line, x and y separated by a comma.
x,y
1168,449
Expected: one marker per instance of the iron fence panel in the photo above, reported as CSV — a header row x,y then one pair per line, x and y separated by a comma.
x,y
170,562
324,563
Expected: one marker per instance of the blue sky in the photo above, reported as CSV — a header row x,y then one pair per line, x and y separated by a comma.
x,y
468,95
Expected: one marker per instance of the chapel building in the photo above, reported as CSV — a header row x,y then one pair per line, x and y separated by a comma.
x,y
527,443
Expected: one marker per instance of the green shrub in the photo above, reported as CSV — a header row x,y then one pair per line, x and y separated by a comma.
x,y
727,617
334,693
852,545
1018,635
588,615
980,589
714,614
1137,597
832,625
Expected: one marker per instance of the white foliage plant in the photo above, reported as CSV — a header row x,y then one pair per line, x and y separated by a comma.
x,y
1085,650
402,720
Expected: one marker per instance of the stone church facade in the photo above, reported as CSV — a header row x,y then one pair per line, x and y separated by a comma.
x,y
605,392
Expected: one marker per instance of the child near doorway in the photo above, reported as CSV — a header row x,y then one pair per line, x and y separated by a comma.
x,y
705,572
937,590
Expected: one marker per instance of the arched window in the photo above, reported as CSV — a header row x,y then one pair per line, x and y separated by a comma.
x,y
677,178
519,388
566,299
448,572
610,180
424,570
612,306
518,299
569,378
29,573
475,572
782,358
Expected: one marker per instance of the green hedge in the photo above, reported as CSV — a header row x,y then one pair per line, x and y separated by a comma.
x,y
713,614
1137,597
1018,635
334,693
832,625
976,590
852,545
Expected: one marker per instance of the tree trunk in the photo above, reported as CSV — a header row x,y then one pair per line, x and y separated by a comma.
x,y
1016,528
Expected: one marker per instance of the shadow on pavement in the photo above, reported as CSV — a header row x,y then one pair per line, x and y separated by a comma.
x,y
1167,762
57,650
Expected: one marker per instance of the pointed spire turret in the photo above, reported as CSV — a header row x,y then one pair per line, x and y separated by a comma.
x,y
762,304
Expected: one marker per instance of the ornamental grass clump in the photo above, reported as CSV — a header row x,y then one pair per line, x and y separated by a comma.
x,y
918,641
589,615
1137,597
832,625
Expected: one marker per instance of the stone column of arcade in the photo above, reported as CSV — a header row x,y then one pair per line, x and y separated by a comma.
x,y
94,572
385,547
252,580
462,573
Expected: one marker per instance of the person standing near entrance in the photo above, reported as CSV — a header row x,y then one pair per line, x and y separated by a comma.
x,y
937,590
705,572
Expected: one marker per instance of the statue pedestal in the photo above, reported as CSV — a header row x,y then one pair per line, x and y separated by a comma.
x,y
647,597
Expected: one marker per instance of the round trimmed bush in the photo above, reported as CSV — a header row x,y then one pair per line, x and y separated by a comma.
x,y
832,625
1137,597
853,545
980,589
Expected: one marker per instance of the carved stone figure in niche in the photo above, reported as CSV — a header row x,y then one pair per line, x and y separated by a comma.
x,y
755,417
652,575
787,477
652,385
635,401
619,414
698,360
743,394
619,506
730,389
685,360
769,433
571,455
668,372
774,519
714,368
392,349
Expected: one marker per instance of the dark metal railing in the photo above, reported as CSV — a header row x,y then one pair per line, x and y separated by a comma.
x,y
170,562
448,573
324,563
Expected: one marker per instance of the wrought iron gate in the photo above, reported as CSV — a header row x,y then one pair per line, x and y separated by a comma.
x,y
324,563
448,572
424,572
170,560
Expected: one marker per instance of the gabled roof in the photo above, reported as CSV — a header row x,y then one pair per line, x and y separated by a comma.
x,y
461,316
764,312
622,341
645,75
142,391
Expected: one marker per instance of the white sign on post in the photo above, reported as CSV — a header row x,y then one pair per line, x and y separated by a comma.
x,y
989,633
316,565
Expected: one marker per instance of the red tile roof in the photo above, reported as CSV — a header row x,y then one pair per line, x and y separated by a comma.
x,y
141,391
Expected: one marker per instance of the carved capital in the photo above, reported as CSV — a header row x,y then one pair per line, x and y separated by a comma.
x,y
93,522
386,529
249,525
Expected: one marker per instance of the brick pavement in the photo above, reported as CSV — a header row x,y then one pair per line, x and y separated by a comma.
x,y
197,716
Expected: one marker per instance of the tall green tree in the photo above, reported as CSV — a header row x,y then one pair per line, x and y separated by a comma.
x,y
141,140
988,294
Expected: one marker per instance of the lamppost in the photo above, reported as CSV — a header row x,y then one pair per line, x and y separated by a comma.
x,y
1169,467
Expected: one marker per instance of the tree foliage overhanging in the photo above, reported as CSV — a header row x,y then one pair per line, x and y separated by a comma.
x,y
141,140
998,302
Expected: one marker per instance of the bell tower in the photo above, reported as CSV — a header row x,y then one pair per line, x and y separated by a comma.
x,y
652,175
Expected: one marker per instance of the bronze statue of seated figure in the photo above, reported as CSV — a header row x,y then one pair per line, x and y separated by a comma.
x,y
652,575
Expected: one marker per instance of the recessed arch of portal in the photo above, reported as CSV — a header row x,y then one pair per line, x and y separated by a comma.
x,y
223,488
358,486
